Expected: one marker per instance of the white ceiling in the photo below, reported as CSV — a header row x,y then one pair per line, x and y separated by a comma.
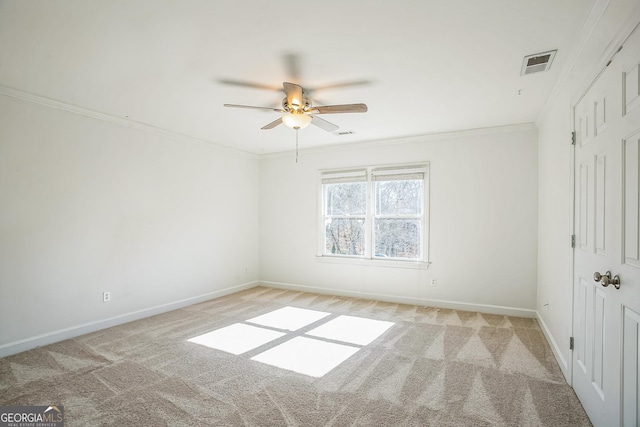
x,y
432,65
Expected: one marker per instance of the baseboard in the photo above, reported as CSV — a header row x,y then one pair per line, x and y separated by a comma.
x,y
67,333
456,305
564,365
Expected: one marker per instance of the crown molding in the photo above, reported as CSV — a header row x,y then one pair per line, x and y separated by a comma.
x,y
118,121
442,136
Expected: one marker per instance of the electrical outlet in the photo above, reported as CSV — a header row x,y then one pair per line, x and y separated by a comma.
x,y
106,296
434,281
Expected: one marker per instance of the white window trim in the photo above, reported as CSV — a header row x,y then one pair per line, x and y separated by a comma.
x,y
371,171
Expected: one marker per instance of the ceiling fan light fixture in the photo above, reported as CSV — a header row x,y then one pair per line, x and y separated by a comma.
x,y
296,121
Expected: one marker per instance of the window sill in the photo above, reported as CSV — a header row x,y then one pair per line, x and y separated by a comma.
x,y
420,265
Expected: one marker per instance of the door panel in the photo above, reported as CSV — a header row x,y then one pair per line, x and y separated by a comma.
x,y
583,215
581,329
600,118
600,201
599,330
630,368
631,81
582,124
630,210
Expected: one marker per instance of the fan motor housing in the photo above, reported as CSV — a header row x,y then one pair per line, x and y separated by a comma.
x,y
306,105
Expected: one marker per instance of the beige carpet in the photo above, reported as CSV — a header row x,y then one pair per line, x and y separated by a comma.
x,y
431,367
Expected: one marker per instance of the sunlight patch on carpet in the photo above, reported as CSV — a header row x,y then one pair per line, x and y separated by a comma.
x,y
289,318
307,356
237,338
351,329
312,353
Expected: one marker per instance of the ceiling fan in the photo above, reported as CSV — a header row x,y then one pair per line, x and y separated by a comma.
x,y
298,111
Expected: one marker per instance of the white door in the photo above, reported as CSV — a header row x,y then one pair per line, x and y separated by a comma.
x,y
606,320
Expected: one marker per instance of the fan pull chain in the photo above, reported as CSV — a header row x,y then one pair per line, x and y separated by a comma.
x,y
297,144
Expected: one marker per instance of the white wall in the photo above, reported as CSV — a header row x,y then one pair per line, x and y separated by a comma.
x,y
483,244
88,206
554,302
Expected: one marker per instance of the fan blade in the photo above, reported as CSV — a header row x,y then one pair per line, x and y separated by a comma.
x,y
248,84
339,85
344,108
294,94
323,124
272,124
251,107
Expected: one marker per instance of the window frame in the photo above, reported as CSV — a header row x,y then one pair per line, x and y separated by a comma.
x,y
343,176
370,172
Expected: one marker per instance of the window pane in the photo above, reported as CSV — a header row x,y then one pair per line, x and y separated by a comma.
x,y
397,238
399,197
344,236
348,198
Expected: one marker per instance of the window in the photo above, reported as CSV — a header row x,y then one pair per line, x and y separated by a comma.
x,y
345,210
375,213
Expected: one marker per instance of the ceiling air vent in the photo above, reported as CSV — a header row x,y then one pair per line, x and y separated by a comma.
x,y
537,62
